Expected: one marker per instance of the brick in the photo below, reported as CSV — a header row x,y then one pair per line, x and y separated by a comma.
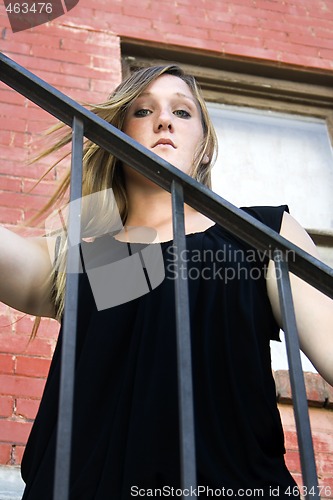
x,y
44,188
7,363
263,5
86,72
82,11
183,29
73,44
315,389
324,23
328,396
114,6
211,5
35,64
270,35
244,20
9,109
14,124
32,366
21,345
322,441
10,183
324,462
292,459
30,171
282,383
222,35
164,14
190,2
22,200
61,81
21,386
5,453
313,41
27,408
38,127
101,86
12,431
48,329
59,55
6,324
306,61
218,26
24,325
11,96
291,442
15,154
279,26
240,40
134,12
6,406
252,52
122,24
187,11
327,55
101,64
103,39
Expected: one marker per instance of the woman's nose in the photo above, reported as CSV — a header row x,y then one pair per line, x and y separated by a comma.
x,y
164,121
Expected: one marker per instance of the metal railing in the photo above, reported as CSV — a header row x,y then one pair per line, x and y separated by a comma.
x,y
183,189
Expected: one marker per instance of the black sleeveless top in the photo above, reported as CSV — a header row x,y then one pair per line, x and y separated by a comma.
x,y
125,433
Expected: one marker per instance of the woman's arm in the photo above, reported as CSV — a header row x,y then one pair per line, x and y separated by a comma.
x,y
313,309
26,270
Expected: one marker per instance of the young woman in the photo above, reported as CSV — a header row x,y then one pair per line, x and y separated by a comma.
x,y
125,432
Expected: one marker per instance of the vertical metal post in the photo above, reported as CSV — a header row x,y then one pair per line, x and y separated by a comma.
x,y
185,386
65,413
308,464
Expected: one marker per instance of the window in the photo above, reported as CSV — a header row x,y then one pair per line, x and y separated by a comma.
x,y
270,158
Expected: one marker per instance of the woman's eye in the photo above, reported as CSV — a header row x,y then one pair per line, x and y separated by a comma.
x,y
142,112
182,113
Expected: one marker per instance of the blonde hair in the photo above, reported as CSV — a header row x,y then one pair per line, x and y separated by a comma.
x,y
102,171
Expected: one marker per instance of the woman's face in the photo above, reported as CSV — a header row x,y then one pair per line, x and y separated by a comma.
x,y
166,119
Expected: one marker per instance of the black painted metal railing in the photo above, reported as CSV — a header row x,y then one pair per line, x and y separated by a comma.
x,y
183,190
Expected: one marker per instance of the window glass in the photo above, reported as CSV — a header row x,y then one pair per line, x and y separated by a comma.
x,y
268,158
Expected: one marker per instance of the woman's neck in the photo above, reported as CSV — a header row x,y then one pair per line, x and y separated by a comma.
x,y
151,208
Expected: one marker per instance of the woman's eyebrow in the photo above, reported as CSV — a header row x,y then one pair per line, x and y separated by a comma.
x,y
178,94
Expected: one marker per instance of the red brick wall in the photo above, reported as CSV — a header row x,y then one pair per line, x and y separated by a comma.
x,y
79,53
322,434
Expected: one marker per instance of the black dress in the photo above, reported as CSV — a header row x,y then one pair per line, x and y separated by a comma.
x,y
125,433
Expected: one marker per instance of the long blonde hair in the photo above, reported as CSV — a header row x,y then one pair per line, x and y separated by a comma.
x,y
102,171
